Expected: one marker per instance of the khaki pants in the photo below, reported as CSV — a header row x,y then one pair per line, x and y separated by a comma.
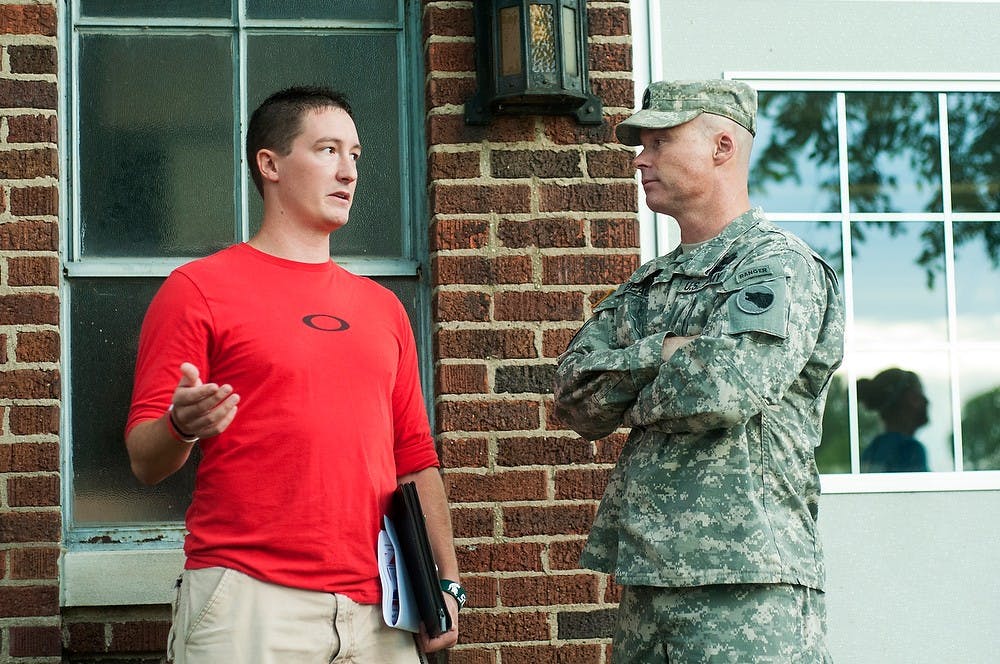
x,y
221,615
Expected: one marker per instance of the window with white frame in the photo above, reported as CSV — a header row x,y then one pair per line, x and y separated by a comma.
x,y
896,183
158,94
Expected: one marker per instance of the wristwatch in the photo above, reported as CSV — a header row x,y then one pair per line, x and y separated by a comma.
x,y
455,589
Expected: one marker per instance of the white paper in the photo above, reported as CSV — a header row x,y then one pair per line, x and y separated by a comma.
x,y
399,609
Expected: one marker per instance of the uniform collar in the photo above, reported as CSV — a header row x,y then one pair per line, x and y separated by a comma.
x,y
706,258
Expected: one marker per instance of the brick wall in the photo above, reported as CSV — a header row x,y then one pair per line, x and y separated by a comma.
x,y
29,335
532,220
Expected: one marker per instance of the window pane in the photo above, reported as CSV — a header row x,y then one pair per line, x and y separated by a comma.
x,y
979,373
105,317
904,423
899,289
156,145
824,237
372,86
795,158
370,10
834,453
894,152
977,280
157,8
974,143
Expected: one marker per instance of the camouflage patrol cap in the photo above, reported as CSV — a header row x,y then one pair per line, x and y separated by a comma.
x,y
672,103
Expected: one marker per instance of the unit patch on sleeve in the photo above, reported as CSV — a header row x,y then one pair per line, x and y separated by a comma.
x,y
760,307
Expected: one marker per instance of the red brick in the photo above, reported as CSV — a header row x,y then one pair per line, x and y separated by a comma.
x,y
3,349
588,268
549,590
29,527
555,341
33,420
612,593
17,93
537,306
506,415
548,520
451,56
34,563
542,233
459,234
610,57
455,165
581,483
450,90
33,491
500,557
33,271
461,379
28,164
535,163
551,654
28,457
37,346
610,197
543,451
595,297
472,655
609,21
461,306
610,447
29,308
465,452
448,22
615,233
496,486
618,92
451,128
33,201
29,383
610,164
564,130
139,636
504,627
28,20
32,129
35,641
29,236
481,270
24,601
33,59
565,554
471,522
87,637
483,591
480,198
486,344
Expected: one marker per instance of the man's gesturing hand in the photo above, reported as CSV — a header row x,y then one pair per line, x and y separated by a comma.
x,y
202,409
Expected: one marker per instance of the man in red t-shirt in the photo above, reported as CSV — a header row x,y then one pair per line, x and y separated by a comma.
x,y
299,382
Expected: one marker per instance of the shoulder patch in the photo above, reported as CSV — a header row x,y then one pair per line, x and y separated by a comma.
x,y
759,307
754,272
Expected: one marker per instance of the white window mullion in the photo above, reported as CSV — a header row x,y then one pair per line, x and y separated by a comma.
x,y
949,276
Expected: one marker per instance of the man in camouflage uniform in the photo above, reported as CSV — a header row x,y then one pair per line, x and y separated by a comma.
x,y
718,356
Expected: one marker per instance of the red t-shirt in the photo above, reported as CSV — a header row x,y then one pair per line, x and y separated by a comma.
x,y
330,414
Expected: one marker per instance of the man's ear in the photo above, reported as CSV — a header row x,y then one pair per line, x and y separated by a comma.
x,y
267,164
725,147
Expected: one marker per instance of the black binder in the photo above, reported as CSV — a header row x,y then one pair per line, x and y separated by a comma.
x,y
408,520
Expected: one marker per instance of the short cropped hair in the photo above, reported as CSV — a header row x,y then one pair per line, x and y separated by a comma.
x,y
278,120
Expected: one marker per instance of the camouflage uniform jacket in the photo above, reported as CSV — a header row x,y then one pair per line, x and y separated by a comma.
x,y
717,482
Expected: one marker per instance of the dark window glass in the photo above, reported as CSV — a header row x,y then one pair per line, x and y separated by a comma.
x,y
157,8
156,135
370,10
980,385
372,85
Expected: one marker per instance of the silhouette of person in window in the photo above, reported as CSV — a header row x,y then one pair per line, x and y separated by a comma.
x,y
898,397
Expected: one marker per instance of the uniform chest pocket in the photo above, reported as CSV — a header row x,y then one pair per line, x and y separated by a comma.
x,y
683,306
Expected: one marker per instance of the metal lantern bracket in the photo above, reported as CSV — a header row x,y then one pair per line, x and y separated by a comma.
x,y
531,59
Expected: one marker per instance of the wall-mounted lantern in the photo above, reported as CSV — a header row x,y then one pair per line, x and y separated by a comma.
x,y
531,59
